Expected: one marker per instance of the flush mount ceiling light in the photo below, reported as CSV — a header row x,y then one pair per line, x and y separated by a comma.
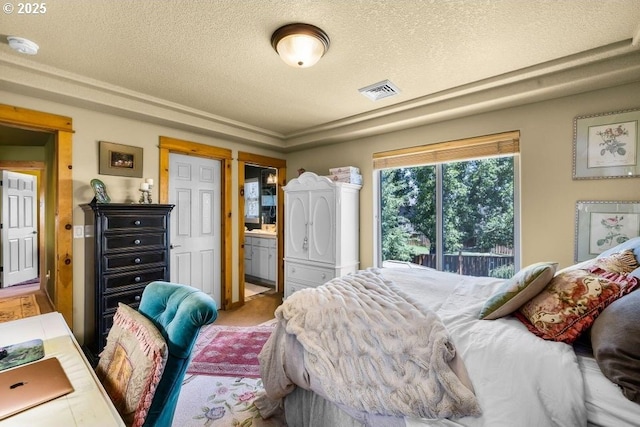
x,y
23,45
300,45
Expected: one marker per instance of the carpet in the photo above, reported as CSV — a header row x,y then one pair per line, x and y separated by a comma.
x,y
220,402
15,308
229,351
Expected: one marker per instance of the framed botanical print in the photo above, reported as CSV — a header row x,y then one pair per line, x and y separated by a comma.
x,y
603,225
606,145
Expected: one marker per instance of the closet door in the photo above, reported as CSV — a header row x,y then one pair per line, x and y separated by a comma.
x,y
296,223
321,226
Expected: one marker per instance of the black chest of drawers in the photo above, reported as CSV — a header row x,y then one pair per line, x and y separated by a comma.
x,y
126,247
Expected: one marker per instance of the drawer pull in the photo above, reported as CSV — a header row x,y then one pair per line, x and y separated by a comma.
x,y
324,275
137,222
137,298
137,260
136,242
137,279
293,270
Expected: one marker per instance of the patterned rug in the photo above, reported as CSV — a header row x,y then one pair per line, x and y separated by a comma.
x,y
15,308
224,395
220,402
229,351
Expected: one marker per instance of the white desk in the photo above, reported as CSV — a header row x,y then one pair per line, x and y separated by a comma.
x,y
88,405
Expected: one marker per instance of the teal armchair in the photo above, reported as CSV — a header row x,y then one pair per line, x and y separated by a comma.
x,y
178,311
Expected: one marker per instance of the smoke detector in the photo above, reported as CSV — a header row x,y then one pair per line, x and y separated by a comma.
x,y
23,45
380,90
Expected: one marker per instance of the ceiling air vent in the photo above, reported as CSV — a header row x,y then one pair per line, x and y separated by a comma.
x,y
376,91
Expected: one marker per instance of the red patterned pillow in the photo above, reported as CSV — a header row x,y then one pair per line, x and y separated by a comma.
x,y
571,302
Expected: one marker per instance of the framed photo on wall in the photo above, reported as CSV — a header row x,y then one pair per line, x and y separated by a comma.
x,y
606,145
120,159
603,225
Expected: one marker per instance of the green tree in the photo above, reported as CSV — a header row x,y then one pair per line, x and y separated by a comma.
x,y
477,199
490,198
423,212
395,194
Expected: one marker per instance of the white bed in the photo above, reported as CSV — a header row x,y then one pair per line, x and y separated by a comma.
x,y
518,378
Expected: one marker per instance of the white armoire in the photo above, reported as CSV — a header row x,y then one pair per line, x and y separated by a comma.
x,y
321,238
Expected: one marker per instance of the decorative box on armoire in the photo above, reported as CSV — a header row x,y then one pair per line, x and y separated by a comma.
x,y
322,233
126,247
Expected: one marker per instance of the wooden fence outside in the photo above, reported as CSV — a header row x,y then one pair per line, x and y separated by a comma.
x,y
472,265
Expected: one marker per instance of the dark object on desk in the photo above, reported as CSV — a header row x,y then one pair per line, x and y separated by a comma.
x,y
21,353
31,385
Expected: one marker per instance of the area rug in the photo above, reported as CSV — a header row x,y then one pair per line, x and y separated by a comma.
x,y
15,308
220,402
230,351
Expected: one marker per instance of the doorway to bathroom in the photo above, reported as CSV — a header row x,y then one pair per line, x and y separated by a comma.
x,y
260,202
260,238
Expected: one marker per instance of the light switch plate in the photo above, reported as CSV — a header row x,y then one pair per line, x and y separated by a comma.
x,y
78,231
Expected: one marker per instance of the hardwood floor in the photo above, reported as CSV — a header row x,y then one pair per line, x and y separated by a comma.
x,y
257,310
44,303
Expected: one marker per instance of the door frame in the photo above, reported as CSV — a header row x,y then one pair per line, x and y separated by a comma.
x,y
245,158
170,145
61,293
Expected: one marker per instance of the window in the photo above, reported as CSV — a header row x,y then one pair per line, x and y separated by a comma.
x,y
457,215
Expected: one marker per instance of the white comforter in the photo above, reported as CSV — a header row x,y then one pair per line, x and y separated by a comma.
x,y
360,332
519,379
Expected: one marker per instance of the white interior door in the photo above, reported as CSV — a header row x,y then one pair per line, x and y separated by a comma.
x,y
19,228
195,190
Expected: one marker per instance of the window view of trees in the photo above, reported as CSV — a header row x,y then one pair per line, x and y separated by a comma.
x,y
476,210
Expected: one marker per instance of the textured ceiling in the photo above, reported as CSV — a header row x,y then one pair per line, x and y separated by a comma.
x,y
214,59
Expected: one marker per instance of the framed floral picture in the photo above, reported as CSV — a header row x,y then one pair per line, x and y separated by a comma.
x,y
606,145
603,225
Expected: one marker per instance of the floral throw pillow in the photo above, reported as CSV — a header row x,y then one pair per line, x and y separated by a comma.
x,y
132,363
516,291
571,302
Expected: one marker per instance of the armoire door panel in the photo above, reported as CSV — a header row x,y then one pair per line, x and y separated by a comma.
x,y
321,247
296,224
